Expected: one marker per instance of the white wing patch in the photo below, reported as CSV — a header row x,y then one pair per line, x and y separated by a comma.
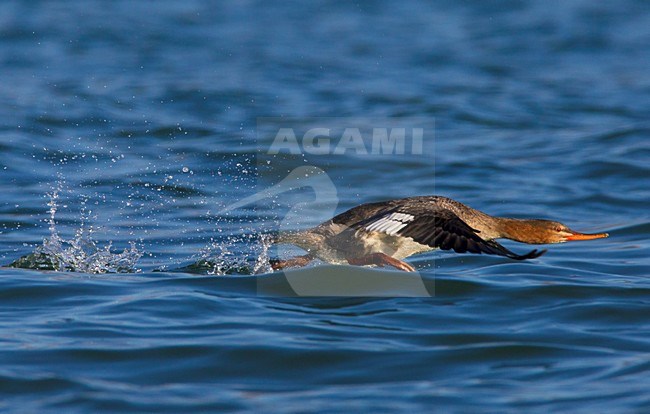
x,y
391,224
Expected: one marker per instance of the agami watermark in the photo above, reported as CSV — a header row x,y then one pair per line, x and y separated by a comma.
x,y
326,141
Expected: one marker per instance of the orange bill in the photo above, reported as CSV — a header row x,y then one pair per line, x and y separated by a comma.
x,y
584,236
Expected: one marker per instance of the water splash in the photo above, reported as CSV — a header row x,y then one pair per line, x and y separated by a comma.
x,y
263,263
252,246
242,254
79,254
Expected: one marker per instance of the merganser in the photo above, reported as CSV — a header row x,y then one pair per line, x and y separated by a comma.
x,y
384,233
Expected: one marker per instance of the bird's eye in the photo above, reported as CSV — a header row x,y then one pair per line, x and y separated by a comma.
x,y
558,228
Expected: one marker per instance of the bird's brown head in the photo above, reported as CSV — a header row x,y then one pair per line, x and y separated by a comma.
x,y
545,231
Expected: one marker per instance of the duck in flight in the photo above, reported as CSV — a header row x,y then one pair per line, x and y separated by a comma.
x,y
384,233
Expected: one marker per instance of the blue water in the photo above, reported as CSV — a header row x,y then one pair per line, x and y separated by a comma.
x,y
127,129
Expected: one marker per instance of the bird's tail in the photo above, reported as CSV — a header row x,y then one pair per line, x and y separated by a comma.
x,y
277,237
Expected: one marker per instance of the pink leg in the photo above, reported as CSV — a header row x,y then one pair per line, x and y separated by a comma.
x,y
299,261
381,260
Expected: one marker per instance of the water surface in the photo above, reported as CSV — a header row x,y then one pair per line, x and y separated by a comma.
x,y
126,128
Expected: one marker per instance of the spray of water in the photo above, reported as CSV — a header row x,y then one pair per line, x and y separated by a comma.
x,y
241,254
79,254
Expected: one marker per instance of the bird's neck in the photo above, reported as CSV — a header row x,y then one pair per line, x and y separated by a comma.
x,y
521,230
490,227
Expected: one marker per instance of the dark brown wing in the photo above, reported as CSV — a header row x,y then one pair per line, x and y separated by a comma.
x,y
438,228
361,212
